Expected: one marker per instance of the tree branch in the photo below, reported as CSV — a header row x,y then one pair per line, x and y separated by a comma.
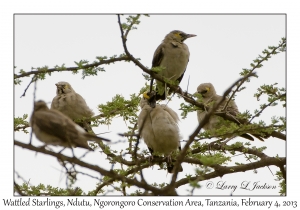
x,y
112,60
76,161
258,65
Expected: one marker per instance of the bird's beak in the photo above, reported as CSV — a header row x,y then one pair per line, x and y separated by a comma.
x,y
190,35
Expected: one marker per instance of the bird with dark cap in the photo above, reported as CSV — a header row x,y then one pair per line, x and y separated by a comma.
x,y
172,55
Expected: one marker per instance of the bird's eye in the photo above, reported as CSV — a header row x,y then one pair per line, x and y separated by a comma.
x,y
203,92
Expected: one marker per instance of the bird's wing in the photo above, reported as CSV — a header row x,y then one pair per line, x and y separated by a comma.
x,y
233,110
180,78
158,55
82,106
231,107
171,113
93,137
48,122
54,123
142,119
54,104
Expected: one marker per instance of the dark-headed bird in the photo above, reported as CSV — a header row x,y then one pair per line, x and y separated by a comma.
x,y
172,55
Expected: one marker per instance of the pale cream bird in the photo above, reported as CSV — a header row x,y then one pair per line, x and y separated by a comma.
x,y
210,97
54,128
172,55
159,128
70,103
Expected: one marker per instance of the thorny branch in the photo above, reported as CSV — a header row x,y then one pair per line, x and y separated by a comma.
x,y
76,161
258,65
50,70
264,107
219,170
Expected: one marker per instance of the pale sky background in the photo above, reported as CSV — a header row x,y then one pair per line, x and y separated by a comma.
x,y
223,46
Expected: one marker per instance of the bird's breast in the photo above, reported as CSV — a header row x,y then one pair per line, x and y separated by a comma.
x,y
175,61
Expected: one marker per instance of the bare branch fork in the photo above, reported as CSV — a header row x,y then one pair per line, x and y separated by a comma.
x,y
102,171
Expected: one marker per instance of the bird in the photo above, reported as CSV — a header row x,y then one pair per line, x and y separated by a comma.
x,y
159,128
54,128
73,105
209,97
172,55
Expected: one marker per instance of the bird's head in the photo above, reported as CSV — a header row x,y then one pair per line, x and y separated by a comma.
x,y
63,88
179,36
40,105
148,99
206,90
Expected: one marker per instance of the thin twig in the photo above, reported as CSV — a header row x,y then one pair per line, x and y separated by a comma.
x,y
250,72
34,96
187,87
269,104
33,79
130,26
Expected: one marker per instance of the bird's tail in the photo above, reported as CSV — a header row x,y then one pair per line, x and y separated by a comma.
x,y
247,136
86,126
83,145
93,137
258,137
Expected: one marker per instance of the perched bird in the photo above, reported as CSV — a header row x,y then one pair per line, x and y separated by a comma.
x,y
158,127
173,56
70,103
210,97
54,128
